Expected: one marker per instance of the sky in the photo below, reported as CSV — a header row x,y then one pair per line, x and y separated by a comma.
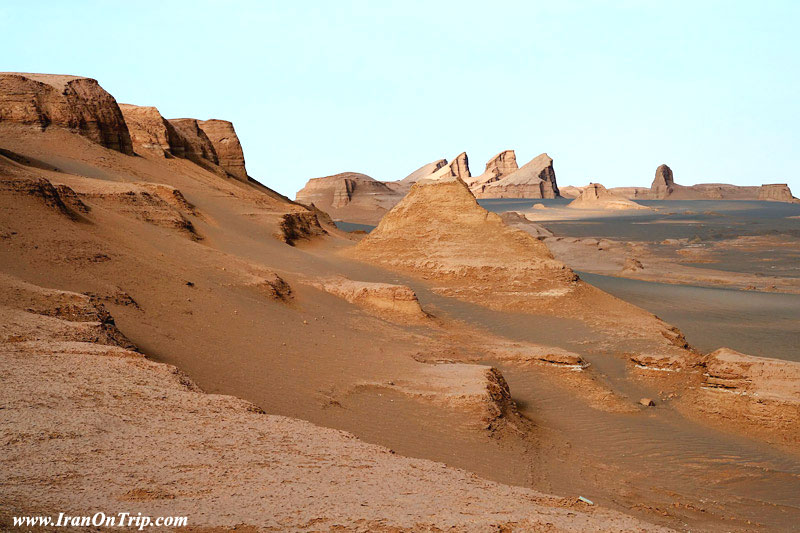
x,y
609,90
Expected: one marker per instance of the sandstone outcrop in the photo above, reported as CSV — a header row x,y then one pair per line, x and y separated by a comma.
x,y
776,192
151,132
665,188
41,190
226,145
497,167
663,183
478,389
423,171
458,168
196,146
385,298
350,196
301,225
157,204
758,377
759,392
71,102
519,221
595,196
440,232
202,141
535,179
570,191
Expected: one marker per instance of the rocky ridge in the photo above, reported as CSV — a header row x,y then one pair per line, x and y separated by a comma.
x,y
72,102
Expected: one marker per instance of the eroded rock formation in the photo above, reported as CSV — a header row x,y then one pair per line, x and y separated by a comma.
x,y
535,179
776,192
71,102
497,167
227,146
423,171
439,231
151,132
663,183
350,196
665,188
595,196
196,145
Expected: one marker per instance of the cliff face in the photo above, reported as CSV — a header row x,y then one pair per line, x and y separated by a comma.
x,y
497,167
536,179
458,168
776,192
204,141
71,102
196,145
151,132
227,146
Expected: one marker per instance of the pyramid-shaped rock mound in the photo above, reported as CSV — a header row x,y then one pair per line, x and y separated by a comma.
x,y
440,232
595,196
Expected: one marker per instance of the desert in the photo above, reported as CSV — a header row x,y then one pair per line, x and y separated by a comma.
x,y
257,286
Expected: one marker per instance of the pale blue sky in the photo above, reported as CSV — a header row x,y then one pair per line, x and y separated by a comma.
x,y
609,89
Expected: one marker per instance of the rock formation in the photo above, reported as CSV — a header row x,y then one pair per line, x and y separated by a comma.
x,y
350,196
535,179
202,141
151,132
595,196
570,191
70,102
393,301
776,192
663,184
423,171
227,146
665,188
458,168
497,167
518,220
197,146
440,232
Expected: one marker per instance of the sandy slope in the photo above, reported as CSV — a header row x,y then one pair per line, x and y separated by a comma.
x,y
90,425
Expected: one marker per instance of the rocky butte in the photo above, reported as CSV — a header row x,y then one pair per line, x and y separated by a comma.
x,y
212,143
71,102
227,146
665,188
502,178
